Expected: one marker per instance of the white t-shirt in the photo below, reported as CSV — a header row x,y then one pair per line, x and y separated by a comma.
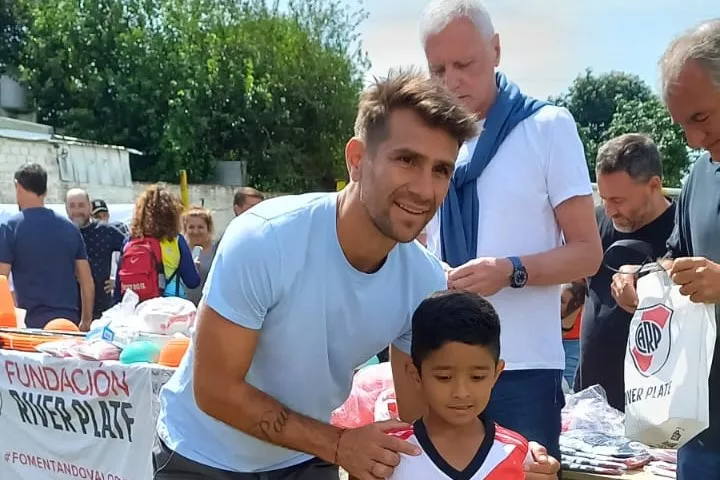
x,y
501,456
540,164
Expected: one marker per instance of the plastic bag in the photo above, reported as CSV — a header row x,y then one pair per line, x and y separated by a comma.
x,y
122,313
167,315
369,384
589,410
97,350
667,365
385,406
59,348
118,324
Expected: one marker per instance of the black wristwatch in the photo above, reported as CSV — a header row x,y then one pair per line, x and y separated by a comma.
x,y
519,276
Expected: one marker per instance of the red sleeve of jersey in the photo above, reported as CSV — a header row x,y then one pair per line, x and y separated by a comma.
x,y
509,437
512,467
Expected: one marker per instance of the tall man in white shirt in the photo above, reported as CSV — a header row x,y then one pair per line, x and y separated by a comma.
x,y
518,229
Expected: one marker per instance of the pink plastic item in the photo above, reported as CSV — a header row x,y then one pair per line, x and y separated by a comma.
x,y
372,398
96,350
59,348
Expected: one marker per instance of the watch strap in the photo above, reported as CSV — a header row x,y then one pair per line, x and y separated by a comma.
x,y
518,268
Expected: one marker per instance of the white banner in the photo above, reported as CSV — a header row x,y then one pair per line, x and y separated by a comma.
x,y
63,419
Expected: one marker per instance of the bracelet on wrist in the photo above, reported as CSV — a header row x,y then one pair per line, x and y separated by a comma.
x,y
337,445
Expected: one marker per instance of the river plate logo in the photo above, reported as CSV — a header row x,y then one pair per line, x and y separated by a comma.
x,y
650,343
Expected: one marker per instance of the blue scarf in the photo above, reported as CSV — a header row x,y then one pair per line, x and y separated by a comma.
x,y
460,210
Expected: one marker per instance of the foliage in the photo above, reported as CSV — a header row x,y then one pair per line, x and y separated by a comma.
x,y
12,32
608,105
194,82
651,117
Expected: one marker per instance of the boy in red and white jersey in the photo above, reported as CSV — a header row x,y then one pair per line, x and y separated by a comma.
x,y
456,361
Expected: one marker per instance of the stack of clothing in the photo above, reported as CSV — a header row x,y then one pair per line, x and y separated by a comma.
x,y
664,463
591,452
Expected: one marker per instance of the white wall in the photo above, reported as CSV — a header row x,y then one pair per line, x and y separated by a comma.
x,y
104,171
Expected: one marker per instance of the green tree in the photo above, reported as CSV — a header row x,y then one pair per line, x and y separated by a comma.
x,y
194,82
611,104
593,101
12,32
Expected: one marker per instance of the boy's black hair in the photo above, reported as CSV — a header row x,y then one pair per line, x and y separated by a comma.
x,y
454,316
33,178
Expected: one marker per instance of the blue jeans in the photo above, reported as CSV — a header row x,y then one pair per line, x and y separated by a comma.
x,y
529,402
696,461
572,357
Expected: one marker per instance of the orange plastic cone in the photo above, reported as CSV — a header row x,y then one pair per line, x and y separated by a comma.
x,y
7,304
173,352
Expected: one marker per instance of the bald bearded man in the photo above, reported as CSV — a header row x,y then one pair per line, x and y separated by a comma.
x,y
101,240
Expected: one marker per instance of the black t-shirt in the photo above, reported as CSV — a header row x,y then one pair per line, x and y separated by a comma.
x,y
101,240
605,326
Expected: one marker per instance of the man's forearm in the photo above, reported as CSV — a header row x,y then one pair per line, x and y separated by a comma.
x,y
255,413
87,296
563,264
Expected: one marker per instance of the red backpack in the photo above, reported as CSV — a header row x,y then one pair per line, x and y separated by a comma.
x,y
140,267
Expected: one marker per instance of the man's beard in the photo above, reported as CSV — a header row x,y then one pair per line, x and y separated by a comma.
x,y
80,221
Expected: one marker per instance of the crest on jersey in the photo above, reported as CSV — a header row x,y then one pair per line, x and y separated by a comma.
x,y
650,343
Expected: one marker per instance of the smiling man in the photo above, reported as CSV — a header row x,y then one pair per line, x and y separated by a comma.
x,y
304,289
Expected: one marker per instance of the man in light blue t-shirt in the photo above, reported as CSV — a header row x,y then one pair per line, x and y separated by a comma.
x,y
303,289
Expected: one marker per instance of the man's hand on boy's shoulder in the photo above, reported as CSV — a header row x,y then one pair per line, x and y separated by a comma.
x,y
543,467
370,453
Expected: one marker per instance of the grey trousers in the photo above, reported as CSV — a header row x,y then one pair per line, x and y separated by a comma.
x,y
169,465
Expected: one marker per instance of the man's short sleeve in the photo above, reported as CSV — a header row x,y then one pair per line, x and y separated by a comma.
x,y
433,280
244,280
404,341
7,243
567,173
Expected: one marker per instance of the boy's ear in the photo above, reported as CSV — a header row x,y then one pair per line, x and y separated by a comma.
x,y
499,369
412,373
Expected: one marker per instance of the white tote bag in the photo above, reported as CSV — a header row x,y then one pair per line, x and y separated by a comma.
x,y
667,364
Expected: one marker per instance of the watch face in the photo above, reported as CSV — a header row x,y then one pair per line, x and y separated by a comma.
x,y
519,278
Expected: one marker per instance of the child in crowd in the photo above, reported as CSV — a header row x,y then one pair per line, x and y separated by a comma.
x,y
456,361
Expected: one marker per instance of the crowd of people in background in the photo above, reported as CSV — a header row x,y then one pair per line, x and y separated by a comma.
x,y
66,267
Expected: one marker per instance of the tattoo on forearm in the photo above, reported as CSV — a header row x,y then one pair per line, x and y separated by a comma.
x,y
273,422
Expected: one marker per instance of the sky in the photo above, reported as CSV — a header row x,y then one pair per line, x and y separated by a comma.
x,y
546,43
